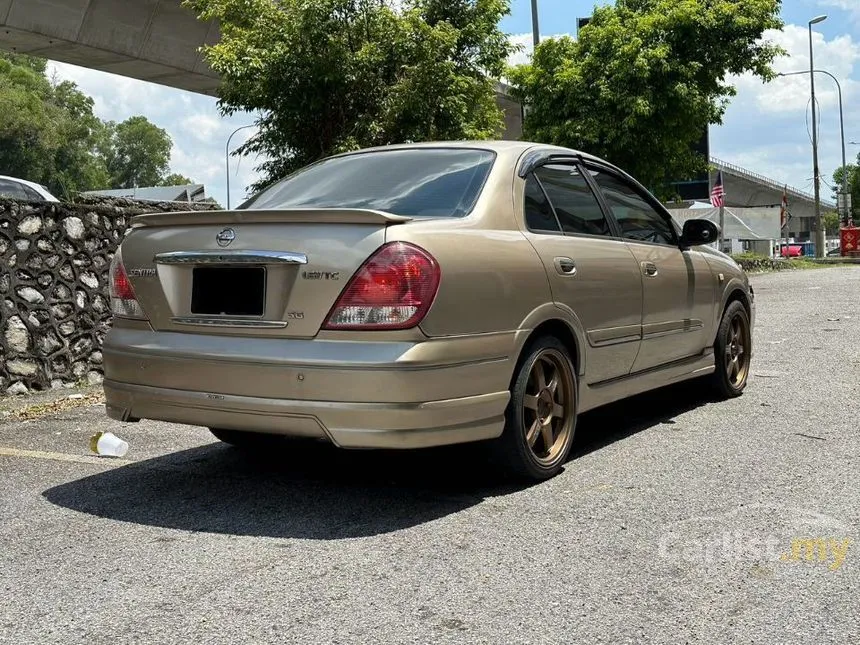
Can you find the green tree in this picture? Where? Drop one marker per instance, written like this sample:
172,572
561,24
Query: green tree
38,65
644,79
334,75
28,133
77,164
853,186
175,179
137,153
48,133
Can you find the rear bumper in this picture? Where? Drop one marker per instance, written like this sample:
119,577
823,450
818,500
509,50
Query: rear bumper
347,425
354,394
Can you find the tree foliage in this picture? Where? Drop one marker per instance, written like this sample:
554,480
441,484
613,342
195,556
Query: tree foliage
644,79
175,179
137,153
328,76
50,134
853,186
47,133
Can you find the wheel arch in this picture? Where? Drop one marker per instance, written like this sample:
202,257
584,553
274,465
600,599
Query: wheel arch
734,292
551,320
737,295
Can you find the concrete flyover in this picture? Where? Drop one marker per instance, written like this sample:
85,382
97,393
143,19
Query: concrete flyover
150,40
747,189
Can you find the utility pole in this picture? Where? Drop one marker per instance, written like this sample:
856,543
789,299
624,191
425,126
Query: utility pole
819,224
845,207
535,26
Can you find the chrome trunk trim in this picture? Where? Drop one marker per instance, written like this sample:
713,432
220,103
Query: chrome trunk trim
231,257
219,321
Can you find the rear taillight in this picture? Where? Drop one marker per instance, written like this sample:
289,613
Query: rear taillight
393,289
123,301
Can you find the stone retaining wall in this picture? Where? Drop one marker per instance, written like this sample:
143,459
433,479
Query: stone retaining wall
54,262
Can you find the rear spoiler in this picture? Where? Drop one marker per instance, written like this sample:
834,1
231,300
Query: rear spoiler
285,216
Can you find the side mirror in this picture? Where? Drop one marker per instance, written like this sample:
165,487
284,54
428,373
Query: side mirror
699,231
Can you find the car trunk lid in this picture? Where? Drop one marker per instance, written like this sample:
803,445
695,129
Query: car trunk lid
248,272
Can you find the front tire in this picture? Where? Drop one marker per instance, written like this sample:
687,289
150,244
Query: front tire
732,352
541,415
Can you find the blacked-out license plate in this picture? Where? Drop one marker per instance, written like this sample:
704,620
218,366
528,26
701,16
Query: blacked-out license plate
228,291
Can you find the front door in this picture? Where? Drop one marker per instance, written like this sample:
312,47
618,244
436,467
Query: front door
678,286
591,271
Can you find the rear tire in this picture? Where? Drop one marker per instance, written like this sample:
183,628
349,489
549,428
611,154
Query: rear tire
541,416
732,352
247,440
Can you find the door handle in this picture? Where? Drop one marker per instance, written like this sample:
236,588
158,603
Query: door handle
649,269
565,266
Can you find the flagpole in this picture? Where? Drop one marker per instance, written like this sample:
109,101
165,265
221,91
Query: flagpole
783,222
721,178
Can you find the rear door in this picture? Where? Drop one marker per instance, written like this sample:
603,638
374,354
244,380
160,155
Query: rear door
591,272
679,287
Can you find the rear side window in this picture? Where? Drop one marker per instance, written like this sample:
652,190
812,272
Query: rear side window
575,205
415,182
12,190
539,214
31,194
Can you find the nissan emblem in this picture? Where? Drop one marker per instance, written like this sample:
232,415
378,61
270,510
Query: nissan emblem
225,237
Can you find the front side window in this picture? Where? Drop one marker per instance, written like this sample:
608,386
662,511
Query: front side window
638,220
414,182
575,205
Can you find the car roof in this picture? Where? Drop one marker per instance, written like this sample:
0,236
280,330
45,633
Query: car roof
477,144
31,184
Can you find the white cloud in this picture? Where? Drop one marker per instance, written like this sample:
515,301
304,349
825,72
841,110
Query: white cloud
767,128
791,94
851,6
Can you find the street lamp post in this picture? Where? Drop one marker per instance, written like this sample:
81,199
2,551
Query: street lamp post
819,225
227,158
535,27
841,129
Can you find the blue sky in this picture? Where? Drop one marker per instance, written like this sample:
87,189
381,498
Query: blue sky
765,129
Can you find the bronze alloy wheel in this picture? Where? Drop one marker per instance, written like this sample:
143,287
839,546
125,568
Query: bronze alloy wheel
541,417
736,352
548,408
732,351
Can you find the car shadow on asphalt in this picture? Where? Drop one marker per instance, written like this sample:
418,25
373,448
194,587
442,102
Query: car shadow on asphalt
314,491
608,424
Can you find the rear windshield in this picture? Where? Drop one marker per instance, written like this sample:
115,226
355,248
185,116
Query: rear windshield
422,182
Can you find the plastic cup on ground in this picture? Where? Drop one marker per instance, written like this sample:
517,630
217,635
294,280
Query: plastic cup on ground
107,444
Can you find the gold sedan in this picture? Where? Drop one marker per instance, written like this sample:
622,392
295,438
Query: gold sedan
422,295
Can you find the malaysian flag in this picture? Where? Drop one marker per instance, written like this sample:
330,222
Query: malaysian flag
718,192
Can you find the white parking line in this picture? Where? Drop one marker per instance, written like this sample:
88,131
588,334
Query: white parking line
61,456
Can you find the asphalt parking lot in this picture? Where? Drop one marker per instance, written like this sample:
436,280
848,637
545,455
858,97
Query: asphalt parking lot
679,520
